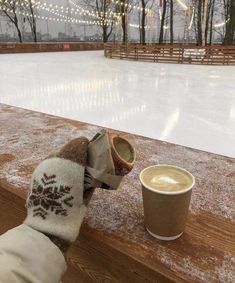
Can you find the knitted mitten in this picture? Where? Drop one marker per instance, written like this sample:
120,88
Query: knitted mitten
55,203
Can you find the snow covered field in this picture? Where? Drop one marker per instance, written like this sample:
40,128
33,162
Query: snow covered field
188,105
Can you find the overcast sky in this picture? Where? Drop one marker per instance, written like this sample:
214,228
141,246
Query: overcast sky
53,28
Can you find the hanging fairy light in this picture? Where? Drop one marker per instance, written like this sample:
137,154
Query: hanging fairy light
77,10
85,12
120,3
160,16
110,13
101,21
66,10
58,9
182,4
192,18
116,14
61,13
138,26
69,20
218,25
17,3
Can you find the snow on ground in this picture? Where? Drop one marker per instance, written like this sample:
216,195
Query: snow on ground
183,104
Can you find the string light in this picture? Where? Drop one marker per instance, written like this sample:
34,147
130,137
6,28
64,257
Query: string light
17,3
120,3
139,26
191,22
160,16
107,14
218,25
184,6
117,14
45,7
69,20
54,9
77,10
86,12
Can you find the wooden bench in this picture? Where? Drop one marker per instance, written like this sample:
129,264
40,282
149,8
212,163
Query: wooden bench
194,54
207,55
113,245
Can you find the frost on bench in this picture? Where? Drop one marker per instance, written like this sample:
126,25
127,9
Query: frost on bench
194,53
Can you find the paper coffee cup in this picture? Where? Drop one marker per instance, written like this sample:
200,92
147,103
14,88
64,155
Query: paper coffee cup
166,200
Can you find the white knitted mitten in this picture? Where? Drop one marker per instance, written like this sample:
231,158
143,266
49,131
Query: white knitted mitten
55,202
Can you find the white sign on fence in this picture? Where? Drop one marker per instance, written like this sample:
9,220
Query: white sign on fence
194,53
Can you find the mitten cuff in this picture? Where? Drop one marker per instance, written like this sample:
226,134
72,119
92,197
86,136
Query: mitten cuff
61,228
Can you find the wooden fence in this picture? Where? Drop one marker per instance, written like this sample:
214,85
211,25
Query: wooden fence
48,47
209,55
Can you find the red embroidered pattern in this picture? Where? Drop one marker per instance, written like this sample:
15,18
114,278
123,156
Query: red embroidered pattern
47,197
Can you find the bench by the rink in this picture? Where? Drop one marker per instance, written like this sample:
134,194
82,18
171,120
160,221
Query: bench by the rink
191,54
113,245
194,53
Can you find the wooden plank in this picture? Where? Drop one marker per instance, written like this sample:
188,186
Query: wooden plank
48,47
113,245
218,55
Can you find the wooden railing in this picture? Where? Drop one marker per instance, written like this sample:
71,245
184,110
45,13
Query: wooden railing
48,47
209,55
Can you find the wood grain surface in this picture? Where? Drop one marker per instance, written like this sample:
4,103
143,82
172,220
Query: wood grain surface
113,245
48,47
177,53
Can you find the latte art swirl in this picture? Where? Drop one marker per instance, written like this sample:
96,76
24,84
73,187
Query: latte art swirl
166,178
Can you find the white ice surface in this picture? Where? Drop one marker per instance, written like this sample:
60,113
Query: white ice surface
184,104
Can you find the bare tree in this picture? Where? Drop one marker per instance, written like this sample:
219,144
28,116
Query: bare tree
171,22
9,9
212,10
101,9
204,20
162,21
201,21
145,5
143,20
31,19
230,23
123,9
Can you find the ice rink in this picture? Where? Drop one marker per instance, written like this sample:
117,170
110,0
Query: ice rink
183,104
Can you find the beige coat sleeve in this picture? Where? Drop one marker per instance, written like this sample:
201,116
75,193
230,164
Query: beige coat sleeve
28,256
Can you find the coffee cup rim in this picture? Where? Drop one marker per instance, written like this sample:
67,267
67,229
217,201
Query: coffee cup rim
167,193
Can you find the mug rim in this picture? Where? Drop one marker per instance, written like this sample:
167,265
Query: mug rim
130,146
167,193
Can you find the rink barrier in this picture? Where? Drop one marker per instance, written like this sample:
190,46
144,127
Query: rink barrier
48,47
180,54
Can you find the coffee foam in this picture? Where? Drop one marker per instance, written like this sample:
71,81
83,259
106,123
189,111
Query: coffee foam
167,178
